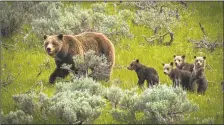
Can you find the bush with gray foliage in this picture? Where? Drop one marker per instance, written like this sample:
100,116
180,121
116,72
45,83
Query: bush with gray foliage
159,105
92,65
75,102
13,16
56,19
160,17
17,117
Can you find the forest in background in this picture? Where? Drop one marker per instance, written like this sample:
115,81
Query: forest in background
149,31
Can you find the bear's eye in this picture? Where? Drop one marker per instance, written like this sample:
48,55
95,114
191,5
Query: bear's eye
131,64
167,68
54,44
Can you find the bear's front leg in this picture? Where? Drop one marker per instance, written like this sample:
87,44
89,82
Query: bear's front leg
141,82
174,82
149,83
58,72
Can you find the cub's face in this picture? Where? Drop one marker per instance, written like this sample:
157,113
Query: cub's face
199,61
167,68
53,44
134,65
179,60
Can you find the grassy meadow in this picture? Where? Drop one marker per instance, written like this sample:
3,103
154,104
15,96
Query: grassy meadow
26,65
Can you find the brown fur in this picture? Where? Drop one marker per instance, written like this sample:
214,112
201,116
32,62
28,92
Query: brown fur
198,75
144,73
180,63
64,47
178,76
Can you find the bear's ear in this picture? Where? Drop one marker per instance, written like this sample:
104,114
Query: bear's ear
171,63
137,60
60,36
45,36
204,57
183,56
174,56
163,64
195,57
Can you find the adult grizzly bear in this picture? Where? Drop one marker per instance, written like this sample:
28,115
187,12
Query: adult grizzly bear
64,47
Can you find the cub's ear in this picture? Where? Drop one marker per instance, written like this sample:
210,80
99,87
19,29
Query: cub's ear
60,36
45,36
204,57
195,57
183,56
174,56
163,64
137,60
171,63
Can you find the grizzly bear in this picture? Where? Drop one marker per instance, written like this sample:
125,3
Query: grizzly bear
181,64
63,47
198,75
199,62
178,76
144,73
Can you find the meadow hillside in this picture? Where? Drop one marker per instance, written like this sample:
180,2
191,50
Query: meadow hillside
26,67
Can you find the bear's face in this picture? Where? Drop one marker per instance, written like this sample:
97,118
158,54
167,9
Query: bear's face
167,68
179,60
199,61
53,44
134,65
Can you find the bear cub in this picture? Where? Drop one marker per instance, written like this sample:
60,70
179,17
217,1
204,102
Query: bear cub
144,73
177,76
198,75
181,64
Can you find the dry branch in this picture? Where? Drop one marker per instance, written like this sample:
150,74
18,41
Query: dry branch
9,47
10,79
26,36
160,37
5,89
204,42
202,29
184,4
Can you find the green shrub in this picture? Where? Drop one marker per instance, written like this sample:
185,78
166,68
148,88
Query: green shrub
159,105
77,101
17,117
99,64
13,16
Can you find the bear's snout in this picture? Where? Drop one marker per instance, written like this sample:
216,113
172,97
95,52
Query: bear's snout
129,68
48,49
198,64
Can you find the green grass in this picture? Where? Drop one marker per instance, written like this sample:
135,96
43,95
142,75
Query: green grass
28,59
